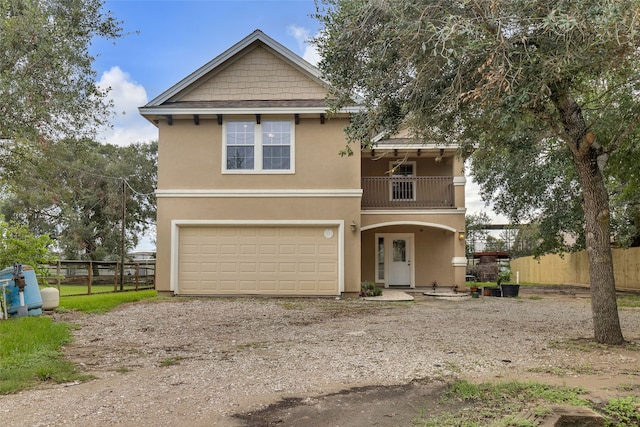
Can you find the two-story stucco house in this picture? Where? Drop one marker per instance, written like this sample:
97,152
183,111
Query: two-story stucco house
254,199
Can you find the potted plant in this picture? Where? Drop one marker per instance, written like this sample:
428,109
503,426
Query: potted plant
508,289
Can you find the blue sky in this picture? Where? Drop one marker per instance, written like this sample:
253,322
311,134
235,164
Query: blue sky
168,40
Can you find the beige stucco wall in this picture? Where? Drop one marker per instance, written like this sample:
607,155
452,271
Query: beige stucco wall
264,209
425,165
448,218
573,268
258,74
190,157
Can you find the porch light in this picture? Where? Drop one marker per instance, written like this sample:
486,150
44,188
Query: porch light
461,235
354,227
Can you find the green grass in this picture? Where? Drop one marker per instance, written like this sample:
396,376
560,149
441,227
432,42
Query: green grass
102,303
622,412
497,404
629,301
30,353
170,361
30,346
66,290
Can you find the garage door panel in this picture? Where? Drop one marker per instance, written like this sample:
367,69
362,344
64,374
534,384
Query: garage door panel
231,249
268,250
286,267
325,267
287,249
307,267
327,250
326,285
308,249
248,267
247,285
218,260
308,285
268,267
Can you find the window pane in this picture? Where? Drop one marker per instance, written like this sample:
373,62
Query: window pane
240,157
405,169
381,258
276,133
276,145
276,157
400,250
240,133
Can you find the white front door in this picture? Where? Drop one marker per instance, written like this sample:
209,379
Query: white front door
399,259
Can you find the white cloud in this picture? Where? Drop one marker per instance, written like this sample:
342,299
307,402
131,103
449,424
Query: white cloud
128,126
475,204
302,36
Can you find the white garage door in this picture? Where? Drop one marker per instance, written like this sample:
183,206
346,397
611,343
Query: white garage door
258,260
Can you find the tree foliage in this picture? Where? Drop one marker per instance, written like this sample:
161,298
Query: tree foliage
476,232
18,244
73,191
544,92
47,85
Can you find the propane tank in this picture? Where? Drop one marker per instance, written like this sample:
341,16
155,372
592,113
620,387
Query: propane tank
50,298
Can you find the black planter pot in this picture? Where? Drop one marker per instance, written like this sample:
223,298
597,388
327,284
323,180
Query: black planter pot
496,292
510,290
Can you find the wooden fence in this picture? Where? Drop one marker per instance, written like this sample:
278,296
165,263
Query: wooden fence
573,269
90,277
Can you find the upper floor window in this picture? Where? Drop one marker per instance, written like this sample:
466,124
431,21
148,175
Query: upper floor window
267,147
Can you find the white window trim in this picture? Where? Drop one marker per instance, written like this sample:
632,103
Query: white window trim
414,165
257,154
408,162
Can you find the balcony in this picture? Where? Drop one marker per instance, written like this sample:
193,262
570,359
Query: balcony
402,192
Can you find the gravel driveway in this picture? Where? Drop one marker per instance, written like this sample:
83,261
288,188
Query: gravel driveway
196,362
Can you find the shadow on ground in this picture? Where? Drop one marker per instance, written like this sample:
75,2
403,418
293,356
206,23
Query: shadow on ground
379,406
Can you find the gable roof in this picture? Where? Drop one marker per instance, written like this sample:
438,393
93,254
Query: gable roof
169,101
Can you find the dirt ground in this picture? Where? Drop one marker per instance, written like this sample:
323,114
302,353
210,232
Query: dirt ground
375,406
321,363
395,406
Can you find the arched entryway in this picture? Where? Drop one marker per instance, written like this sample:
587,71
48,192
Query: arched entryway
411,254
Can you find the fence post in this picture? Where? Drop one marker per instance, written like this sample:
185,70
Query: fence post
58,268
89,277
137,274
115,276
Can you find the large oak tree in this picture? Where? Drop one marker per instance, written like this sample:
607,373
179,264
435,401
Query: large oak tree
544,84
73,191
47,84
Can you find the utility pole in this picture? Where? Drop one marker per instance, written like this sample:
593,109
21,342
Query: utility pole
122,232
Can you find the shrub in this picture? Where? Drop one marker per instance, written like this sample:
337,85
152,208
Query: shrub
369,289
504,276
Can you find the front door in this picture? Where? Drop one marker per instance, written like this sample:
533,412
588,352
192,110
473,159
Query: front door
395,259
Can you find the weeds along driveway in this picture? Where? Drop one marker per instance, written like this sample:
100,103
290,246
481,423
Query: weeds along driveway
199,361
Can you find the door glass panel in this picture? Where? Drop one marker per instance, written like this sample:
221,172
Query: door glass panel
400,250
380,258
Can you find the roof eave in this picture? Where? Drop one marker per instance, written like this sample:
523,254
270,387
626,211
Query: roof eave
150,110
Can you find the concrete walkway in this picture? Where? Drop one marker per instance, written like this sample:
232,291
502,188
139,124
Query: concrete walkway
391,295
